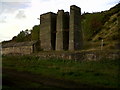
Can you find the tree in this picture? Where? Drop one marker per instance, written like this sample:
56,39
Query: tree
35,32
95,26
21,36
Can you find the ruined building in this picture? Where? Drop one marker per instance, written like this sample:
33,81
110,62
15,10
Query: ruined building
61,31
21,47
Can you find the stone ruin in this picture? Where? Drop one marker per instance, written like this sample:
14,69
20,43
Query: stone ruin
61,31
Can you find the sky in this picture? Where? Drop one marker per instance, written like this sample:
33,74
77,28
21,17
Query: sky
18,15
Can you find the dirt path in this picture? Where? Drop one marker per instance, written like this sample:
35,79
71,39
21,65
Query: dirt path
19,80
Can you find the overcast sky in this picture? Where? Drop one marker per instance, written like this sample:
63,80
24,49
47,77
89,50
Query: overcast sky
18,15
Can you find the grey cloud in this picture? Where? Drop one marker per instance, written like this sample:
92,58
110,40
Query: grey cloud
10,7
21,14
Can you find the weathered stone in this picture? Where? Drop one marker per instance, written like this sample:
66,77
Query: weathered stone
69,34
75,33
48,31
66,31
81,56
21,48
59,34
62,35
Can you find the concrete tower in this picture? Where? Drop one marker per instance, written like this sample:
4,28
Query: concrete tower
66,31
75,33
48,31
62,34
59,32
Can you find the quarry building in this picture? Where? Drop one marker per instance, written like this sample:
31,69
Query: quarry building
21,47
61,31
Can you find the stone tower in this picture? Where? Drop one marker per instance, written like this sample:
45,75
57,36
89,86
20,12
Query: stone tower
48,31
62,34
66,31
75,32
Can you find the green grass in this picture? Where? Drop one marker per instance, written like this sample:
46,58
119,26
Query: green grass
102,73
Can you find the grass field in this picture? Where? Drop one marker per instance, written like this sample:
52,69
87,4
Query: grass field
19,71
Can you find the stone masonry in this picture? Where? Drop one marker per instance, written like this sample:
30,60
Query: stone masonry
61,31
62,34
48,31
66,31
75,32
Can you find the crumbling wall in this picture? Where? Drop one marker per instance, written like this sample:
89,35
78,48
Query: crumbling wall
81,56
18,50
21,48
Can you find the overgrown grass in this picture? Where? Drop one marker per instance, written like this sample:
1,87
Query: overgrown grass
102,73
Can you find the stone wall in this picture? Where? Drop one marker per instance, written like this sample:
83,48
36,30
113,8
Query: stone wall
81,56
21,47
18,50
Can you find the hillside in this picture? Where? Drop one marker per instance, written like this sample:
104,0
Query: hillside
101,25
